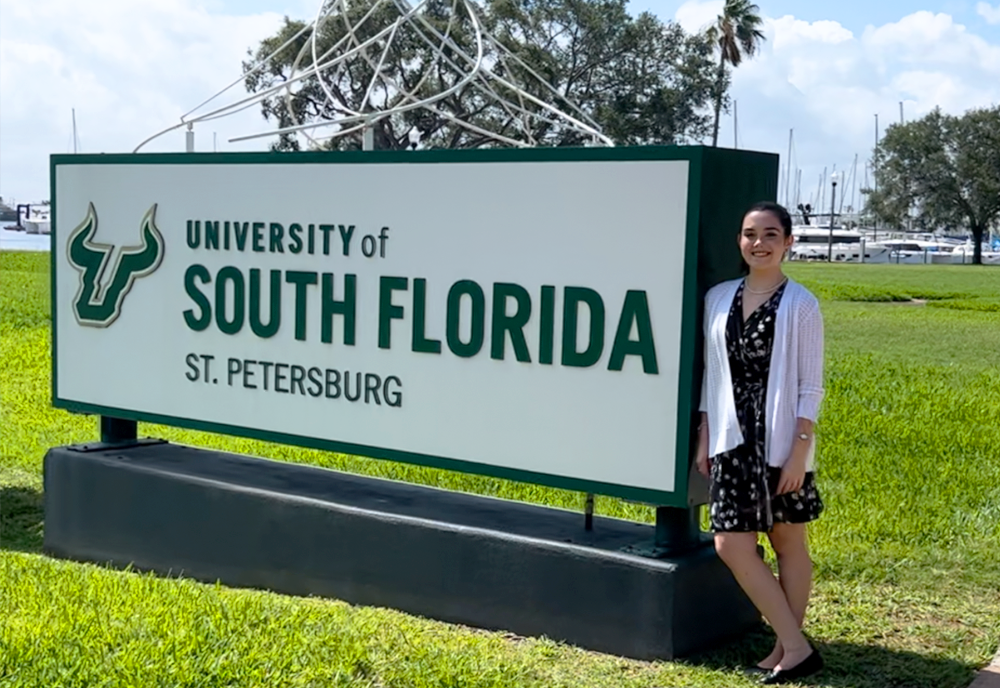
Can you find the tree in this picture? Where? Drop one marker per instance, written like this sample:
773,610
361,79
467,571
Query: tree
642,81
407,62
946,168
737,34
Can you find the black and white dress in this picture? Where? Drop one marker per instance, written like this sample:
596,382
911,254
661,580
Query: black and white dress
742,484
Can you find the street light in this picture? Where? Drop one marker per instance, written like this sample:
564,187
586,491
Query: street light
834,178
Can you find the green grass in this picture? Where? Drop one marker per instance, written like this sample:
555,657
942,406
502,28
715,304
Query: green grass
906,553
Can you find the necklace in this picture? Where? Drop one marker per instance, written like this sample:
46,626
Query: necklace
746,286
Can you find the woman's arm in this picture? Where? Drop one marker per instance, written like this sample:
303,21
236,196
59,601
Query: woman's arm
701,456
810,360
810,373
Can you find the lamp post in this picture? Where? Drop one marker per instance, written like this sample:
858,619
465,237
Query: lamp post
834,178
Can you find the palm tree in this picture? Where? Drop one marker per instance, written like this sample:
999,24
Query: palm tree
737,32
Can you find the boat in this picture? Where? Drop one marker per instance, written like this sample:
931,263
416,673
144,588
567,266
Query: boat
839,245
35,218
918,251
964,254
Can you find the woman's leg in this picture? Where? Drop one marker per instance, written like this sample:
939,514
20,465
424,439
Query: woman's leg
739,552
794,575
794,565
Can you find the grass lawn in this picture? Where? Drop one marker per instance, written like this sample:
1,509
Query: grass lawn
907,554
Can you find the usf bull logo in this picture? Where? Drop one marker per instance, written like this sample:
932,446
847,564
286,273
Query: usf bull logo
98,301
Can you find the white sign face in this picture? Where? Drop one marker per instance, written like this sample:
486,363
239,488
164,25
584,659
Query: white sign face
521,318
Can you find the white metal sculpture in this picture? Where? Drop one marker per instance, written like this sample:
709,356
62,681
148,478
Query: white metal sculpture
487,68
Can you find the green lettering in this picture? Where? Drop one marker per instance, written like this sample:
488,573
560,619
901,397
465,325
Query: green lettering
455,294
241,235
345,308
229,274
635,309
514,324
199,272
258,237
193,233
301,280
546,325
277,238
386,311
421,343
212,234
274,322
572,298
294,230
326,229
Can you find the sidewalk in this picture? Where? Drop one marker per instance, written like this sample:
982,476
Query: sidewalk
989,677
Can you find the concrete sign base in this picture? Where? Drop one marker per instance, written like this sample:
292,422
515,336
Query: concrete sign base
301,530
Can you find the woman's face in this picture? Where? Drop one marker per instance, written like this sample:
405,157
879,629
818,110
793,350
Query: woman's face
762,240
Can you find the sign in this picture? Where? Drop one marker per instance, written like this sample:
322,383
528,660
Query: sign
522,314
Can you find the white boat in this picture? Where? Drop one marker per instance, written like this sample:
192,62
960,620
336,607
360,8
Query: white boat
915,251
839,245
966,252
36,219
817,243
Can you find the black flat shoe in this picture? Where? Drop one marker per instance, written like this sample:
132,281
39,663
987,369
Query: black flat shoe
755,671
807,667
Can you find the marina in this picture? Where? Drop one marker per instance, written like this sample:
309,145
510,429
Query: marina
840,245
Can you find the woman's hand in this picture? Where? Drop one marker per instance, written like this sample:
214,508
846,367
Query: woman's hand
792,475
702,461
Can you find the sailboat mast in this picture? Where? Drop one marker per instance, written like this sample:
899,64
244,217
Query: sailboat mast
854,183
736,125
788,171
75,146
875,178
821,192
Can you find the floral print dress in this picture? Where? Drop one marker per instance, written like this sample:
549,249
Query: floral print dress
742,484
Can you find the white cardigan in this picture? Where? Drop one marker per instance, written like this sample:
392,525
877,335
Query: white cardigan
794,383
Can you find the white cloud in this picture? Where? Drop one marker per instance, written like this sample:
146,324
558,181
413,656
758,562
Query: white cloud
695,15
925,38
828,83
788,32
129,69
988,12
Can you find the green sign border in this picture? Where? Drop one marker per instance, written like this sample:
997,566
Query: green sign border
689,312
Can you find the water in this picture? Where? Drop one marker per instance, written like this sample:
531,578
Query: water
11,240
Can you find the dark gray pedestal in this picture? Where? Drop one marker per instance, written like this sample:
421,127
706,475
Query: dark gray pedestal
455,557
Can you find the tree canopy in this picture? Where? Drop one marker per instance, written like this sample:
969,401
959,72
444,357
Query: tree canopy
945,169
641,80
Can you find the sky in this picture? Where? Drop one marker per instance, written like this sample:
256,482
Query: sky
131,69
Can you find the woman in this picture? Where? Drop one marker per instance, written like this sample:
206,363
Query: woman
760,397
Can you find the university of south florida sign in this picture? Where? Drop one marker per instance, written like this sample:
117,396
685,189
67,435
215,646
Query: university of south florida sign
524,314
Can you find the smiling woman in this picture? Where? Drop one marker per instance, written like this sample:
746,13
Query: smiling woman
760,397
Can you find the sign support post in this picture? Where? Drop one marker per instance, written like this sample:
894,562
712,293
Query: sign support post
676,530
118,430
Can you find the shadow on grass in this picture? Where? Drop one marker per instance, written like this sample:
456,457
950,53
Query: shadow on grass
21,519
850,665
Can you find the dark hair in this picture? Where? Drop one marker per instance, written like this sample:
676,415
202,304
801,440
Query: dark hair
779,211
